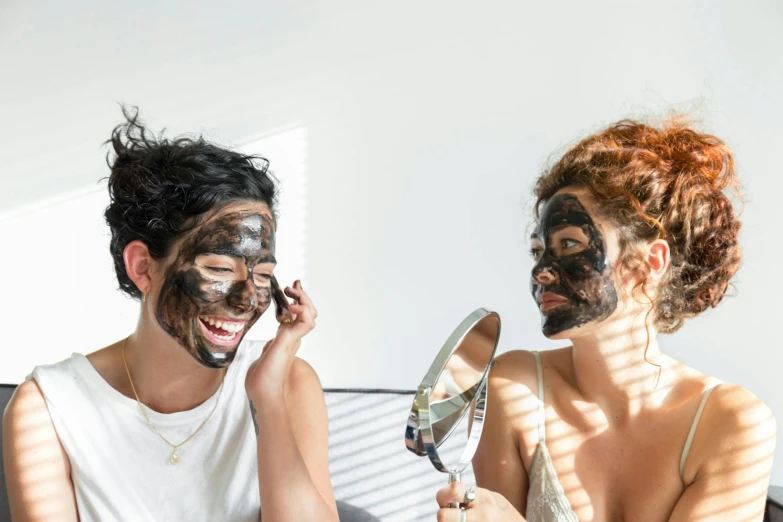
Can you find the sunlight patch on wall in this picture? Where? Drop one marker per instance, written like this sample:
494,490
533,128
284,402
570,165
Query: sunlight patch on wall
286,150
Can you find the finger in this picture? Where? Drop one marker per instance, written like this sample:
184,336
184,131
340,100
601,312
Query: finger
302,315
293,293
301,298
297,292
449,515
287,318
454,492
300,310
281,302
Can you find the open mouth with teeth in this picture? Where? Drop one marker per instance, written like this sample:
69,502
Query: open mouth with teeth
221,331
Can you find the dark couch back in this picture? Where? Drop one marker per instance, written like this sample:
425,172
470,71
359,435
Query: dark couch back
6,390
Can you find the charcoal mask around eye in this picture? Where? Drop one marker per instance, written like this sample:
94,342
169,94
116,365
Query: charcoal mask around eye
189,295
584,279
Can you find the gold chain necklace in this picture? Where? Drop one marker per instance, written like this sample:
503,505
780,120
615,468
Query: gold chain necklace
174,458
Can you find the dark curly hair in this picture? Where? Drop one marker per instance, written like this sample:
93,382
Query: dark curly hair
664,181
161,188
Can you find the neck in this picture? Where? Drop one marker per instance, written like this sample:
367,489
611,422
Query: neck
167,378
621,369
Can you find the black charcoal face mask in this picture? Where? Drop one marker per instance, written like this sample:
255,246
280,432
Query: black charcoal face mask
578,272
208,306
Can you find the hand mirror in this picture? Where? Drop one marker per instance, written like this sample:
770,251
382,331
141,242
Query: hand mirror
448,409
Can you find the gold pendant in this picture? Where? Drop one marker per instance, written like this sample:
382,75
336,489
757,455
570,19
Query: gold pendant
174,459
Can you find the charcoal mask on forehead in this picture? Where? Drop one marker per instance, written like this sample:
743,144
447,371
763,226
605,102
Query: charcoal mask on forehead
195,292
581,275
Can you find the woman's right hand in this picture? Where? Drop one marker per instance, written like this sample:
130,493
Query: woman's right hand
270,372
488,506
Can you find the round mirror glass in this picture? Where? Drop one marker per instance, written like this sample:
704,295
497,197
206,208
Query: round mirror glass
447,414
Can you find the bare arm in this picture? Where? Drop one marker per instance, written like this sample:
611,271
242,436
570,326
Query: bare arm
510,433
289,412
37,470
293,459
727,472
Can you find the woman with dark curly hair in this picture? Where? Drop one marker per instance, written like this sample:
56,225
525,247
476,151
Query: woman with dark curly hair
634,234
183,419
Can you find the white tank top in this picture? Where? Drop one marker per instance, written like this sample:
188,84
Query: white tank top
120,467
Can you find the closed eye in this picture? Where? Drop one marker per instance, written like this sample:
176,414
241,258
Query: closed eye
262,279
219,269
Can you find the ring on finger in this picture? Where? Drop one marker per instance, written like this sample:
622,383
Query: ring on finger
470,495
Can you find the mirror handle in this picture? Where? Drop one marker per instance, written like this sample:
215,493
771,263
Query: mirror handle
455,477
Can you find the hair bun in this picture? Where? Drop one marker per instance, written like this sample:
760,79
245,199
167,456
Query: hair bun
663,180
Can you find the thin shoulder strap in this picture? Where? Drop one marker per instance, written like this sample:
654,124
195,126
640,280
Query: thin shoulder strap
694,424
541,413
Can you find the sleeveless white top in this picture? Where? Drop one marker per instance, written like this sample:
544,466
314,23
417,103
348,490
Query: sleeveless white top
120,467
546,500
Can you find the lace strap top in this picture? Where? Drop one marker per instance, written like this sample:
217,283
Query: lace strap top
546,499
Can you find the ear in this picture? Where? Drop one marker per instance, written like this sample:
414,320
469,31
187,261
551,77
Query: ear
658,258
138,265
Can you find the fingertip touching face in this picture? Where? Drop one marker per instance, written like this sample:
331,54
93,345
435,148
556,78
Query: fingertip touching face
219,283
572,276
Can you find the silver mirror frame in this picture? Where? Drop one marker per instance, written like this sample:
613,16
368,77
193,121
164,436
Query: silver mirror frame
419,430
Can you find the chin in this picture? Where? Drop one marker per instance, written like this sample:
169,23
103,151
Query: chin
556,332
556,336
213,358
211,355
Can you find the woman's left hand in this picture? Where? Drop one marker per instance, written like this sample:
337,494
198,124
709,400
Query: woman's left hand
269,373
488,506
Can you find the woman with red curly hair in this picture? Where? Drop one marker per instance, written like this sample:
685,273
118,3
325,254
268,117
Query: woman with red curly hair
634,234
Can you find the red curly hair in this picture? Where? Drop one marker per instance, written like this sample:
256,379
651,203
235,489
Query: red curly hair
661,182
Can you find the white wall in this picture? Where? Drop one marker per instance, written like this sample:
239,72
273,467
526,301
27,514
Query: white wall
425,125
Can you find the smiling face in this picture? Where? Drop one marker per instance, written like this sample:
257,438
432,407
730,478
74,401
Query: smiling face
219,283
572,278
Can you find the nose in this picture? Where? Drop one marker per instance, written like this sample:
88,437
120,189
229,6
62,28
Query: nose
544,275
243,295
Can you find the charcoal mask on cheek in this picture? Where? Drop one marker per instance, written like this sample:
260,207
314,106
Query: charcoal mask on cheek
191,293
582,278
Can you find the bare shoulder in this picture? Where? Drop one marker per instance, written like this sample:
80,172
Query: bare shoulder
735,414
39,470
513,384
27,415
519,366
736,429
515,367
28,401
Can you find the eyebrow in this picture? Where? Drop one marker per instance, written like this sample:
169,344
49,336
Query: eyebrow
226,251
233,252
